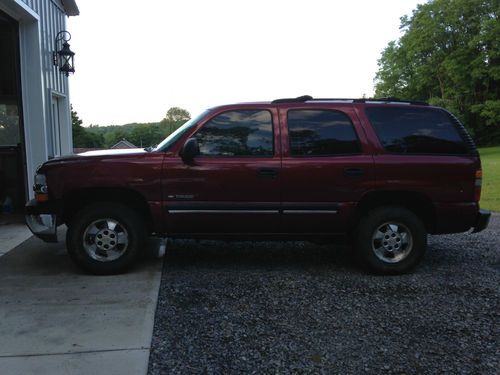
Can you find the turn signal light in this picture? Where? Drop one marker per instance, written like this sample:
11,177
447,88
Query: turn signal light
41,197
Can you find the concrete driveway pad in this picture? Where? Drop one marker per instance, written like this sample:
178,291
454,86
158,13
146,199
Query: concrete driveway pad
55,319
12,235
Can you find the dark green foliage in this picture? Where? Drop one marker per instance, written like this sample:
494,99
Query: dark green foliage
449,55
82,138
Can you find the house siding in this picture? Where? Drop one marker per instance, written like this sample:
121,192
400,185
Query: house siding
52,20
45,91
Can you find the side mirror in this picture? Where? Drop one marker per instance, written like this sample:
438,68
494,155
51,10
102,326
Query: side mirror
190,150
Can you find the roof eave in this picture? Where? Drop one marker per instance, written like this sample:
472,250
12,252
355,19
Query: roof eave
70,7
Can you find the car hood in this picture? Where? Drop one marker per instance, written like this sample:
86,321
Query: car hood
97,153
113,152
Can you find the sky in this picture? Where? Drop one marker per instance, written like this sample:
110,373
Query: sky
136,59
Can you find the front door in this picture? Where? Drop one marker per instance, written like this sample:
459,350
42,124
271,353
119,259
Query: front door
233,186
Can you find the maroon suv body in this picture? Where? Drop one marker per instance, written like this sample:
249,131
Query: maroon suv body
292,168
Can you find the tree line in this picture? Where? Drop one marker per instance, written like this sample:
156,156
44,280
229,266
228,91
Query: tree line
449,55
140,134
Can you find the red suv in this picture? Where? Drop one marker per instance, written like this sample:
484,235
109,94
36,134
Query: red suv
383,171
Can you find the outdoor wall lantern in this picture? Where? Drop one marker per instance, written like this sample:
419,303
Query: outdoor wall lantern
63,57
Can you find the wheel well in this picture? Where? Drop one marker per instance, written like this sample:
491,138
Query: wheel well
418,203
75,200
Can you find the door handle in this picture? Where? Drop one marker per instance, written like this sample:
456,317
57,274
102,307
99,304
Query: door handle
267,172
353,172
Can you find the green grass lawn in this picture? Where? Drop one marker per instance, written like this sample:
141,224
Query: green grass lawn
490,194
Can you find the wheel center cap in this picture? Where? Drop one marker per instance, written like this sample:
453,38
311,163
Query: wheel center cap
106,239
392,241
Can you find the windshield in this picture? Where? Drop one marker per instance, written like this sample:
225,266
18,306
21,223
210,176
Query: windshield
173,137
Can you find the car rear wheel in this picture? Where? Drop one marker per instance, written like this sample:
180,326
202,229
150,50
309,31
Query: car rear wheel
104,238
390,240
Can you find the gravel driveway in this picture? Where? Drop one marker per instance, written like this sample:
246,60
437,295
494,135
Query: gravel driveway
293,307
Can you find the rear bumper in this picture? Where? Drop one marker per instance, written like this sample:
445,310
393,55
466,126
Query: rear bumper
482,221
459,217
41,219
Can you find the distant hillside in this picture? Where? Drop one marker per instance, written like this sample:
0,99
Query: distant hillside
140,134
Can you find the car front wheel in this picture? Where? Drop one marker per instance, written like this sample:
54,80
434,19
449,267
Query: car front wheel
104,238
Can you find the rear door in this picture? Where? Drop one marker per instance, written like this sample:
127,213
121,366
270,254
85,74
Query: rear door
326,167
233,186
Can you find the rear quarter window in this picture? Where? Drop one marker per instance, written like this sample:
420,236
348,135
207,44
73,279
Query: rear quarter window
410,130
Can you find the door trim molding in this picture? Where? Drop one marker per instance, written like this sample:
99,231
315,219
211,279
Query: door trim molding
223,211
252,208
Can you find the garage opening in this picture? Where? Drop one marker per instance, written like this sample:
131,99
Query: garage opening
12,168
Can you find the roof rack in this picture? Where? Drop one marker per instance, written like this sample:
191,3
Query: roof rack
392,99
308,98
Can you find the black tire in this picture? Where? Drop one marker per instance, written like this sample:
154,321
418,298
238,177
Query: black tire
390,240
121,231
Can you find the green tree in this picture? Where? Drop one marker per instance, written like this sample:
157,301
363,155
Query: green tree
177,114
82,138
145,135
174,118
449,55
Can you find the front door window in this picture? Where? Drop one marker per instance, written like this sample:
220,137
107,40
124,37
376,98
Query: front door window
237,133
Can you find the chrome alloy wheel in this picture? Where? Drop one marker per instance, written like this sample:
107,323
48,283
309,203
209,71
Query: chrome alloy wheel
392,242
105,240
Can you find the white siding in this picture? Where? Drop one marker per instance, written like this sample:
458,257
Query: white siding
41,81
52,20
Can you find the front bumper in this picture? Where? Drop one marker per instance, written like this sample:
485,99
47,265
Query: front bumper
482,221
41,218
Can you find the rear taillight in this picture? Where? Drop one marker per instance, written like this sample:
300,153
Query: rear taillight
478,181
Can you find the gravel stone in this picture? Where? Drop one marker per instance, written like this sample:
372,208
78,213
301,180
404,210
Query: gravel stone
300,308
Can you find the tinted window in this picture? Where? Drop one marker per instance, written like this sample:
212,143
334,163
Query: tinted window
237,133
321,132
416,130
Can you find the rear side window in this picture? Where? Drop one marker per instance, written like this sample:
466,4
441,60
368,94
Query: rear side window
237,133
416,131
321,133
